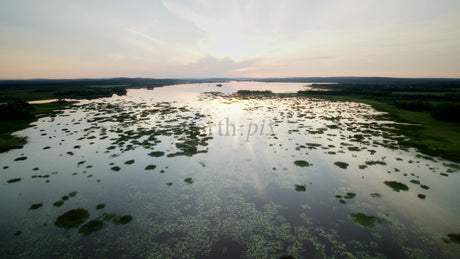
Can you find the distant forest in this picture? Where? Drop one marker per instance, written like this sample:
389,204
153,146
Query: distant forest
39,89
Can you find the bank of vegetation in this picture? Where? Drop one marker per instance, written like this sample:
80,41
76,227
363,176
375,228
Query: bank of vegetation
16,115
429,109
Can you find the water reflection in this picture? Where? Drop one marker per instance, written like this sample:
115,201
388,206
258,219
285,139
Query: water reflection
192,171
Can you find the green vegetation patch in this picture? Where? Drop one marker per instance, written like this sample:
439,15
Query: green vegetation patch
376,195
300,188
301,163
72,218
115,168
91,226
156,153
100,206
58,203
365,220
342,165
129,162
14,180
35,206
117,220
396,186
454,238
150,167
188,180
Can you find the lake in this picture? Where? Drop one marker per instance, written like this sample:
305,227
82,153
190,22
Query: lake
192,171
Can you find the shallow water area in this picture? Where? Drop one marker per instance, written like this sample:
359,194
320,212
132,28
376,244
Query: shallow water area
193,171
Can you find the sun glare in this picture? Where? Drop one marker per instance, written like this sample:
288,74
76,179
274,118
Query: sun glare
231,46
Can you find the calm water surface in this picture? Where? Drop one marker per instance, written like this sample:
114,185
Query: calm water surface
189,171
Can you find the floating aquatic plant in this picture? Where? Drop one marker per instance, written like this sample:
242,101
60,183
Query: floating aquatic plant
300,188
91,226
115,168
342,165
129,162
397,186
301,163
72,218
365,220
14,180
35,206
150,167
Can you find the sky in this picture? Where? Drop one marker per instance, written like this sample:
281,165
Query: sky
251,38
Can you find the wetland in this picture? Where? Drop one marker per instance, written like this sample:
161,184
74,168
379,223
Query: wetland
235,169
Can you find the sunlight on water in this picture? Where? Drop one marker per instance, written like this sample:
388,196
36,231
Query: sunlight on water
194,171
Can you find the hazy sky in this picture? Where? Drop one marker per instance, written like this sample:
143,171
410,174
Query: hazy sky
173,38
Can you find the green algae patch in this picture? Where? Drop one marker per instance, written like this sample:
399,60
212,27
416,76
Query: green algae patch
396,186
14,180
117,220
129,162
72,218
421,196
156,153
90,227
72,194
100,206
300,188
188,180
365,220
150,167
342,165
301,163
35,206
17,233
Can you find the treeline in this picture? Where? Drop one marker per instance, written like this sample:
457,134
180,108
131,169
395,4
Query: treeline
441,101
40,89
15,110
